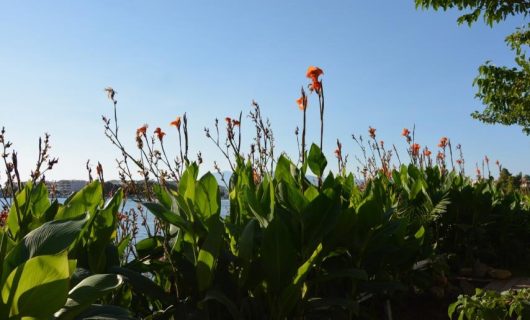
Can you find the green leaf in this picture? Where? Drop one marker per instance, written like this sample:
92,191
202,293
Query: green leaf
208,253
50,238
207,196
106,312
38,287
278,255
420,233
103,231
285,171
87,292
316,160
85,200
188,182
32,203
167,216
220,297
150,247
163,196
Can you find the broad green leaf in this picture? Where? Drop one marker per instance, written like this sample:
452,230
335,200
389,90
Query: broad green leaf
87,292
38,287
285,170
188,182
208,253
106,312
207,196
150,247
32,203
50,238
85,200
167,216
220,297
278,255
102,232
163,196
316,160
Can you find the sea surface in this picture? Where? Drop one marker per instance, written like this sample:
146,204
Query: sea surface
132,205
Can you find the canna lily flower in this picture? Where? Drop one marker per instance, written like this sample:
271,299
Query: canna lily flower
459,161
313,73
371,131
142,130
440,156
302,103
175,123
228,120
405,132
160,134
443,142
236,123
427,152
338,153
415,149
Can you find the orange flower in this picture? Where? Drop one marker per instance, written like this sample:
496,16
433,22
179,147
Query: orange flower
141,131
302,103
313,73
175,123
415,149
427,152
160,133
236,123
443,142
440,156
405,132
228,120
371,131
338,153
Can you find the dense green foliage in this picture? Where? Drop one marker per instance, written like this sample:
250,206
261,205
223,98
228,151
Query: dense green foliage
503,90
491,305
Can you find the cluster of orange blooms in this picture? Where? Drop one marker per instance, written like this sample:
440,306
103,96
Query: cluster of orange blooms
232,122
316,85
142,131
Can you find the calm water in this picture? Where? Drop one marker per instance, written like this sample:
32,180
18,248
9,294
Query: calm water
130,204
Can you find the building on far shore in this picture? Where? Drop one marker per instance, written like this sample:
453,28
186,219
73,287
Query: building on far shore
67,187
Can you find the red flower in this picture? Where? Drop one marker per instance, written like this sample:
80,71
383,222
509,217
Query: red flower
415,149
141,131
160,134
236,123
313,73
405,132
175,123
228,120
371,131
443,142
338,153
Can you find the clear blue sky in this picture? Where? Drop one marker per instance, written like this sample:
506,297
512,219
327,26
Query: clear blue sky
386,65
